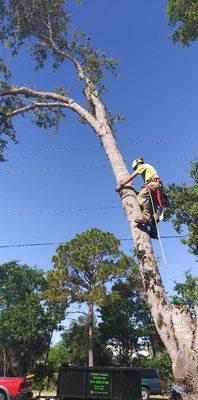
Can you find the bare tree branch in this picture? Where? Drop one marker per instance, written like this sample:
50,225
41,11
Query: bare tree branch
23,90
33,106
49,27
76,312
64,100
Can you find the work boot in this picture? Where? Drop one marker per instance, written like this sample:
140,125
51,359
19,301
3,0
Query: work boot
153,231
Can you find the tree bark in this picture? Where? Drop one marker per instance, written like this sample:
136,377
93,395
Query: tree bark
90,335
175,326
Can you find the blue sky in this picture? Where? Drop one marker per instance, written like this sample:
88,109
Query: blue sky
157,91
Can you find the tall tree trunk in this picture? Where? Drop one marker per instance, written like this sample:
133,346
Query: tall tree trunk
152,343
177,330
90,335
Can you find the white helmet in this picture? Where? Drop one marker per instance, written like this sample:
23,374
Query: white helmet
137,161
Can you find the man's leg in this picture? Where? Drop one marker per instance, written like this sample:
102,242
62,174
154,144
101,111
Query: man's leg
143,199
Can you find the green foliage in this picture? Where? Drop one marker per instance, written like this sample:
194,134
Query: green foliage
28,21
194,172
46,118
75,340
183,211
187,293
183,14
45,376
7,104
34,23
85,264
58,354
127,324
44,28
27,319
4,70
46,371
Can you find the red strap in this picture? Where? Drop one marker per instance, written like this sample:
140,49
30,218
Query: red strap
159,198
156,195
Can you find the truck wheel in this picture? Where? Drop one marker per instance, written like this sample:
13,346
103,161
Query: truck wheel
3,396
145,393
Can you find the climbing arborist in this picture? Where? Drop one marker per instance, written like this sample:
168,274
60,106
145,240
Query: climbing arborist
150,197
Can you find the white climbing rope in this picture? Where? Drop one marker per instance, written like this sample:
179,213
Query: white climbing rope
155,216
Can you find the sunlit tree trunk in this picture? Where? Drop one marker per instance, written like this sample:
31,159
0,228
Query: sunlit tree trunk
90,335
177,330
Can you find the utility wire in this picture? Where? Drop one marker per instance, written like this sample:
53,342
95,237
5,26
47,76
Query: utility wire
3,246
95,147
37,170
55,211
80,167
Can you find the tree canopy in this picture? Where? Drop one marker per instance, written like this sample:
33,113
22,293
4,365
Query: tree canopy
183,15
186,293
27,319
87,263
183,211
83,267
45,29
127,324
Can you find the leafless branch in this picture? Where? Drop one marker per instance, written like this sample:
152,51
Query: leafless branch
49,27
23,90
33,106
77,312
63,100
45,23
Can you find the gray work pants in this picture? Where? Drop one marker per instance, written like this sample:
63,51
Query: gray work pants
145,202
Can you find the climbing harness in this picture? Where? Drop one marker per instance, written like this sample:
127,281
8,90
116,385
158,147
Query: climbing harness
157,193
159,196
156,218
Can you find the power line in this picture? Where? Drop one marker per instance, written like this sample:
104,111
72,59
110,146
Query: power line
59,243
54,150
55,211
79,167
37,170
95,147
